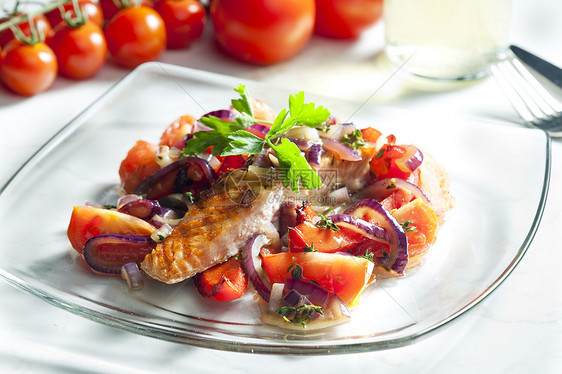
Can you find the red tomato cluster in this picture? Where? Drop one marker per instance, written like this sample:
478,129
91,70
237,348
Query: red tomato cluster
255,31
77,46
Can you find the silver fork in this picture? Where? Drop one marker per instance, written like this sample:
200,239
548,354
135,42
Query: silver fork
529,98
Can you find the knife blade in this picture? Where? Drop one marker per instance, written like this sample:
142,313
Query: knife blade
545,68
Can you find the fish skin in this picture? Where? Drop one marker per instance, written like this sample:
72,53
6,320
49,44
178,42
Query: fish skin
211,232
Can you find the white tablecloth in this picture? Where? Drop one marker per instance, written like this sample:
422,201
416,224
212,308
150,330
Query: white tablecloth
517,330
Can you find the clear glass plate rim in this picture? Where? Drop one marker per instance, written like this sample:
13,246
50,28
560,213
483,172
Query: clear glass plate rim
124,322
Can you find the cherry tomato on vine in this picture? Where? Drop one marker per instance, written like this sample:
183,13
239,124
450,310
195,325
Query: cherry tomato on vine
39,21
90,9
345,19
262,32
110,7
28,69
135,35
184,20
81,51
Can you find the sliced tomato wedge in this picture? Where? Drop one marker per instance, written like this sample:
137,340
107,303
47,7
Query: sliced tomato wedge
87,222
223,282
308,236
343,275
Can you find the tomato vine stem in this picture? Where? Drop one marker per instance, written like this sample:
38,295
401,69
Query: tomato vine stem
28,15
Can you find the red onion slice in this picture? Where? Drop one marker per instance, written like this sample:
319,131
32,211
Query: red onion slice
253,268
107,253
224,114
314,156
342,151
367,229
411,160
372,210
313,292
208,173
383,188
141,208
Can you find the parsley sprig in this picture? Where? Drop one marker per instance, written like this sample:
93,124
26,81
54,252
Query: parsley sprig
229,138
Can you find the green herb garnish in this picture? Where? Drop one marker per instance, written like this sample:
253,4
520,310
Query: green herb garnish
354,139
299,314
369,256
229,138
309,248
407,226
295,270
326,223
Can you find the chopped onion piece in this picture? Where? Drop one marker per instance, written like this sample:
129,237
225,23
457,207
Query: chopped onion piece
161,234
127,199
340,150
341,195
383,188
276,297
304,133
131,273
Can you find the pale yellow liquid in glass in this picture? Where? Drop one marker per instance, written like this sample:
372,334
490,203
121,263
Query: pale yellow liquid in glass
446,39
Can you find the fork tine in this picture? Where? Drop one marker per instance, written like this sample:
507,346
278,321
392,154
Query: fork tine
548,105
503,78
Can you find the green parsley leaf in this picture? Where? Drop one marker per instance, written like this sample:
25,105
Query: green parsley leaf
306,113
281,124
294,167
241,142
244,104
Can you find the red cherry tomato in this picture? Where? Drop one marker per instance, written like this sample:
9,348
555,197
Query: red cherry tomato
28,69
91,10
345,19
41,23
80,51
262,32
110,7
184,20
135,35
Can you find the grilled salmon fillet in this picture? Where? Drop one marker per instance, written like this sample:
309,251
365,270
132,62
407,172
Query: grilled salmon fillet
211,232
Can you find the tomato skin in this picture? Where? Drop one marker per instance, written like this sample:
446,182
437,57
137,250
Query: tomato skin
110,9
370,134
81,51
87,222
177,130
345,19
91,10
223,282
307,234
28,69
426,224
135,35
41,24
139,163
184,20
262,32
384,166
344,275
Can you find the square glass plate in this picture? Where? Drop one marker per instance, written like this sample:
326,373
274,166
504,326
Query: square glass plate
499,179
